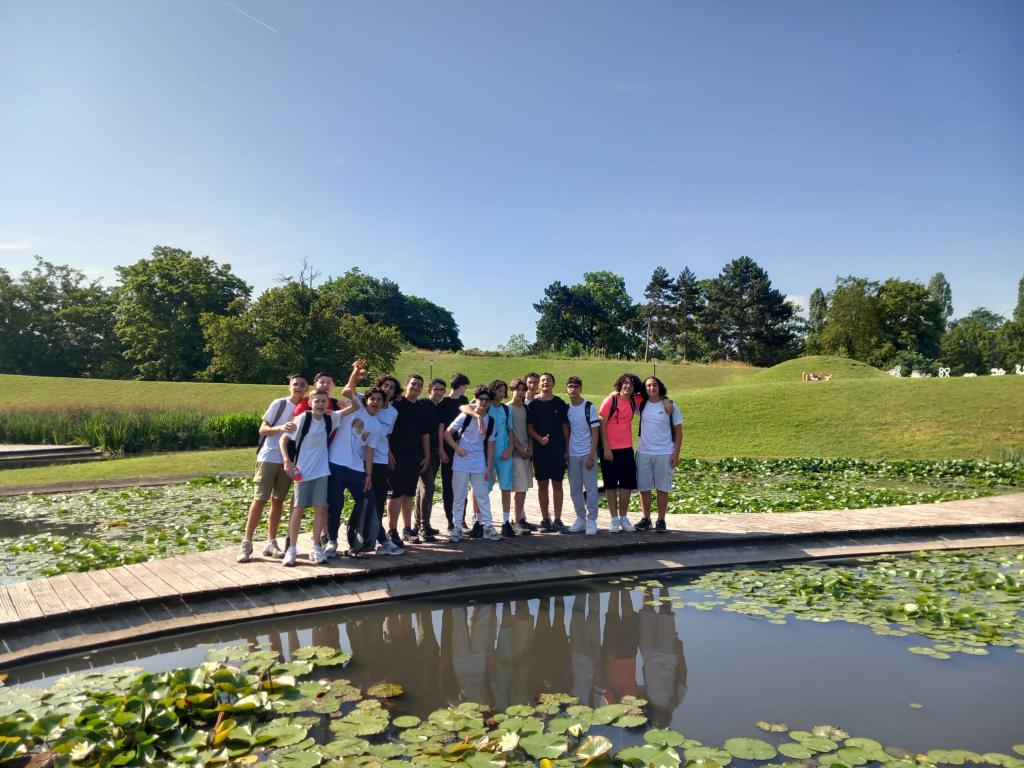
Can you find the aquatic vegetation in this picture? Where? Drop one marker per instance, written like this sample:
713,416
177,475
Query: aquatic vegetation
964,601
245,705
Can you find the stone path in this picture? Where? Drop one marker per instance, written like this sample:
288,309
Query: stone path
65,612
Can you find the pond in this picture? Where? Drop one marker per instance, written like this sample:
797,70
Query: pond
709,663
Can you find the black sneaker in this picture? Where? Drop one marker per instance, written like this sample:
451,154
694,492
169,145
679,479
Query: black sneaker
451,527
659,527
477,531
643,524
558,526
545,525
410,536
507,531
431,530
396,539
526,525
428,534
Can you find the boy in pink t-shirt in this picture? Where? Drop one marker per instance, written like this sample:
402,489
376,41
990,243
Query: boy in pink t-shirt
618,464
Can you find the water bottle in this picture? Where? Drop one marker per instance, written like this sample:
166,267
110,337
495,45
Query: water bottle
296,475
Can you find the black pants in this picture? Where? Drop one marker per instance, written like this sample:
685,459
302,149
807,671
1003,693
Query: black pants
342,479
425,492
447,492
379,489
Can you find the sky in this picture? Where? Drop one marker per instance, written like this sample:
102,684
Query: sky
475,152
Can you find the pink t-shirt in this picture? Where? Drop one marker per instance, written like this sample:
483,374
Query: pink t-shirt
620,425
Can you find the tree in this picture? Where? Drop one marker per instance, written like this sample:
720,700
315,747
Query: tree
379,300
853,323
817,309
429,326
1018,311
516,346
1009,344
752,321
942,295
614,312
911,322
159,307
969,344
688,304
556,326
656,313
293,327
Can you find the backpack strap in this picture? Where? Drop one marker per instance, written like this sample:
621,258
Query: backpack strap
302,435
504,408
640,427
465,426
277,415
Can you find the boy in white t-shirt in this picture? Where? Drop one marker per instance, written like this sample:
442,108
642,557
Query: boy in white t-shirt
271,481
312,430
472,463
657,449
584,427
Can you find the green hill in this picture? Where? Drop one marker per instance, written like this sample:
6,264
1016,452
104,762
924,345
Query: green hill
841,368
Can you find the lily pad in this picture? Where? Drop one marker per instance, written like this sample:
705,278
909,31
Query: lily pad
750,749
385,690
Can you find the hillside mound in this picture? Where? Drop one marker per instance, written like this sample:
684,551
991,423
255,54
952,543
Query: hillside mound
841,368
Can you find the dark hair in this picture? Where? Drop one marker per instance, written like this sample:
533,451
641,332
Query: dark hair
574,380
483,390
531,373
459,380
661,387
412,376
548,373
374,391
323,375
630,377
516,384
435,382
296,376
397,386
493,386
318,392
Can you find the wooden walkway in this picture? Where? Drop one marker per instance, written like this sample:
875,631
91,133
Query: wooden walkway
59,607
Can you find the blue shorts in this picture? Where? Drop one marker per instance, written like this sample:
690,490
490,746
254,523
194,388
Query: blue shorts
503,472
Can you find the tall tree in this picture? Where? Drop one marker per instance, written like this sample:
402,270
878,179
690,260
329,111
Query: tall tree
429,326
853,326
557,325
656,312
942,295
753,321
1018,311
911,321
614,312
688,302
159,307
970,344
817,308
377,299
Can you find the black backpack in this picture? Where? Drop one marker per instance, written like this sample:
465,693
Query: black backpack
294,446
465,425
277,415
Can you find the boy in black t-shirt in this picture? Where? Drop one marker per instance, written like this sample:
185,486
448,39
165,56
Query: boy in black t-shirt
410,444
428,477
447,410
547,422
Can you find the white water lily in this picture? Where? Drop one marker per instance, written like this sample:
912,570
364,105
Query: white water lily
509,741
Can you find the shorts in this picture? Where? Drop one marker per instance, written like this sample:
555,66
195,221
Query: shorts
653,471
502,472
311,493
405,475
522,475
270,480
549,465
620,472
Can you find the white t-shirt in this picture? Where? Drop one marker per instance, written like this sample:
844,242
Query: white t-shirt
312,461
385,418
271,450
579,428
475,459
354,435
656,428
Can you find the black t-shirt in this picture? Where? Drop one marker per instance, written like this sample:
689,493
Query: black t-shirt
547,418
430,416
448,409
410,426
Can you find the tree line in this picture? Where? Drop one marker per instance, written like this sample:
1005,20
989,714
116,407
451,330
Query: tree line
738,315
179,317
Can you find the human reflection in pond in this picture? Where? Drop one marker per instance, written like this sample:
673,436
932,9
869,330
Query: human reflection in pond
366,638
428,655
469,642
585,647
326,633
618,652
664,662
515,638
550,661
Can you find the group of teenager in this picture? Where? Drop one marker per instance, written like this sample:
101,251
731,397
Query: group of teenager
384,446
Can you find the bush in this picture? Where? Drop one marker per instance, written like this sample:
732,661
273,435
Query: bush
130,431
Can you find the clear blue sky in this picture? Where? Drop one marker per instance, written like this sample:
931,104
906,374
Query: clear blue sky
476,151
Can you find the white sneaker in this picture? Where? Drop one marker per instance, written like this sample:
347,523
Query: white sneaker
613,526
579,526
317,555
455,536
491,535
290,556
625,525
388,548
331,550
591,527
273,550
244,552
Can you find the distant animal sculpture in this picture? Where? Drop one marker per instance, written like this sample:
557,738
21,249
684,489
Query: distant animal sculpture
1018,369
896,371
998,372
805,376
943,373
970,375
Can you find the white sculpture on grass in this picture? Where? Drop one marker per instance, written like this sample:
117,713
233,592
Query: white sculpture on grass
896,371
943,373
1018,369
970,375
998,372
920,375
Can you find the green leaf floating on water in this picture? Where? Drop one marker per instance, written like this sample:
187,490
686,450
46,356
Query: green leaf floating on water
750,749
538,745
649,755
385,690
764,725
795,749
664,737
406,721
714,754
592,748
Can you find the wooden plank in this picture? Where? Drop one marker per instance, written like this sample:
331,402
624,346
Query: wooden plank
92,591
117,592
25,604
132,583
65,587
48,600
225,571
8,615
188,581
159,577
211,572
157,587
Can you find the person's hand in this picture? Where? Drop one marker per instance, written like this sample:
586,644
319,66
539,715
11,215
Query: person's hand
507,453
424,464
590,462
481,424
367,484
487,476
545,440
391,460
675,459
461,451
442,454
607,454
529,453
288,467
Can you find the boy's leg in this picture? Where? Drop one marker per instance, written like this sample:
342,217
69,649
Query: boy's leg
319,524
482,499
253,520
542,498
274,521
447,491
335,501
520,505
576,484
590,488
662,504
425,495
380,496
556,496
645,504
460,489
294,524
